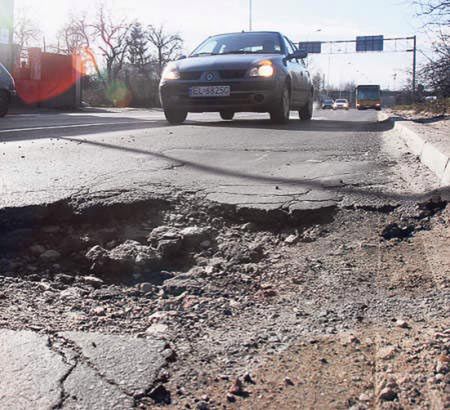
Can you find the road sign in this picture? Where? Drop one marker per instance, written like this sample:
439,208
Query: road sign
311,47
6,21
369,43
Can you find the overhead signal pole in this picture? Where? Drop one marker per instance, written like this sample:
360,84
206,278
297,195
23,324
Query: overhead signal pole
366,44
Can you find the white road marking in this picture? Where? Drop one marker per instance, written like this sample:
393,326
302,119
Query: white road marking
56,127
262,157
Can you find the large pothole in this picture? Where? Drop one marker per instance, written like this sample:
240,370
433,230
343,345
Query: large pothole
146,242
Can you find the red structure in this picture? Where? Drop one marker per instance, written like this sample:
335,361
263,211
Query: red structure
49,80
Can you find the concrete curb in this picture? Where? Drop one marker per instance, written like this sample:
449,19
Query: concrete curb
429,154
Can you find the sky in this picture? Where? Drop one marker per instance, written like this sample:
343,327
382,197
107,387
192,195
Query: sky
300,20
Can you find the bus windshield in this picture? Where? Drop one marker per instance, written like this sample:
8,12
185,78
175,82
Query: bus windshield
368,93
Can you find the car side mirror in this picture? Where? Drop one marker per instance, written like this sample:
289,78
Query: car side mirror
297,55
182,57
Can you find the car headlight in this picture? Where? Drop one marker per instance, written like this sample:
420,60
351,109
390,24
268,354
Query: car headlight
264,69
170,73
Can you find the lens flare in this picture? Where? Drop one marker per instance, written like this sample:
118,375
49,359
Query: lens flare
119,94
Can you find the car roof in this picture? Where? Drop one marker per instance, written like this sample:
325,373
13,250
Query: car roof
247,32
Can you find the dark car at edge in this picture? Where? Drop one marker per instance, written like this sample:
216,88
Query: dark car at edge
239,72
327,104
7,90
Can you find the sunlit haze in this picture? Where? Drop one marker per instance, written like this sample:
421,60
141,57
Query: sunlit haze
299,20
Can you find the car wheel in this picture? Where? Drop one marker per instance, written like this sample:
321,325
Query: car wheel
174,116
306,112
227,115
4,103
280,114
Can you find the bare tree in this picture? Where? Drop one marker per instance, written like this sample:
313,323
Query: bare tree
436,12
167,46
26,31
76,37
435,73
111,41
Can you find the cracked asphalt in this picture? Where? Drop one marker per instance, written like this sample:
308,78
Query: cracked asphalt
77,370
247,162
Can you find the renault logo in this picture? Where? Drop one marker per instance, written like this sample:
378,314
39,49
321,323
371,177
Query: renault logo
210,76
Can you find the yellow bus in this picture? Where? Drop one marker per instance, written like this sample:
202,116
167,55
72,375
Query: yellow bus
368,96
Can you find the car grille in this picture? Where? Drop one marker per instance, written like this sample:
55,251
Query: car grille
232,74
224,75
243,98
190,75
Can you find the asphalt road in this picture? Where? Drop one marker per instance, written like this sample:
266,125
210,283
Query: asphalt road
336,156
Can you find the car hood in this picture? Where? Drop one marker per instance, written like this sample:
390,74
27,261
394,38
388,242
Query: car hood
221,62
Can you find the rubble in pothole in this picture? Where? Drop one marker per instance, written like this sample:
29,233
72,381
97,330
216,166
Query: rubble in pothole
161,258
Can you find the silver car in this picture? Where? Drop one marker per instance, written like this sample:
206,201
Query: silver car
341,104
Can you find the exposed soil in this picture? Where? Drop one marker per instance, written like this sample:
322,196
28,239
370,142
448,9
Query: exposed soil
348,310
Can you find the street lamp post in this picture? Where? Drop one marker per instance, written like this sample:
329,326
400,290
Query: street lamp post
250,15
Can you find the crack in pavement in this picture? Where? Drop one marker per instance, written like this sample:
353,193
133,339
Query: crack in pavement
133,374
51,370
80,358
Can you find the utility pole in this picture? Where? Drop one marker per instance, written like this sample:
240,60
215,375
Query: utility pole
414,68
414,71
250,15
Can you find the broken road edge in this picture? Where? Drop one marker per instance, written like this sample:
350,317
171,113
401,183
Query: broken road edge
429,154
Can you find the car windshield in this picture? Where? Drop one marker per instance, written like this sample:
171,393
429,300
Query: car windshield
241,43
4,74
341,101
328,101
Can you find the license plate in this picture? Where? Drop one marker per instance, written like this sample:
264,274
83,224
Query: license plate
210,91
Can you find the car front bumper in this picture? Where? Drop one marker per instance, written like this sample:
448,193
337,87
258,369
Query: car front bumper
249,95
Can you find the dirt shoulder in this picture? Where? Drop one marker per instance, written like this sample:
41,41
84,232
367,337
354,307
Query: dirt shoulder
396,362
